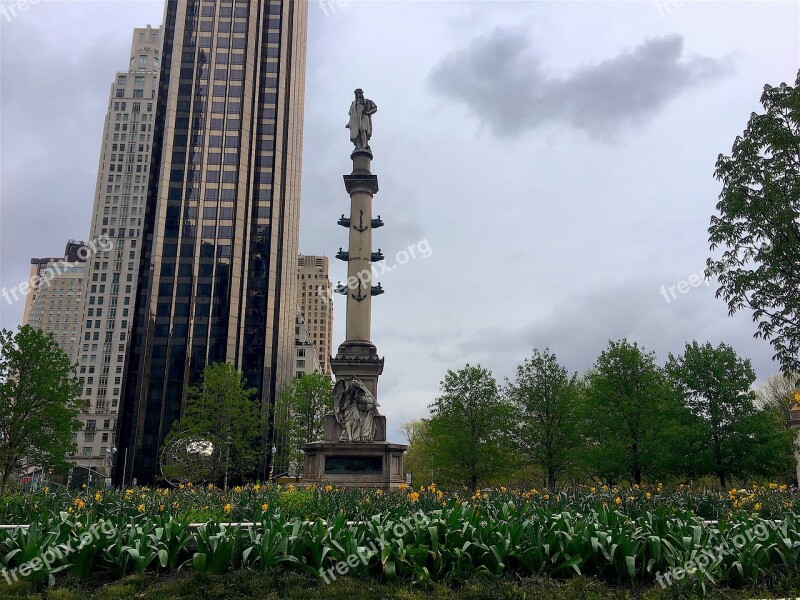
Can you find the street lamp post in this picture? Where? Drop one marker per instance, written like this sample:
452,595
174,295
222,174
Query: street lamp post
272,468
110,452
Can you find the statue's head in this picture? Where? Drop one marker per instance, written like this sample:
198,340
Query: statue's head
359,93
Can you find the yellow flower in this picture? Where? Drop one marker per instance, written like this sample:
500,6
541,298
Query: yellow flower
379,492
79,504
160,508
98,496
256,487
211,486
366,501
593,489
546,496
402,486
140,508
631,498
83,485
503,489
648,495
264,506
439,494
413,496
781,488
773,486
46,489
237,490
757,506
618,501
328,488
228,508
189,484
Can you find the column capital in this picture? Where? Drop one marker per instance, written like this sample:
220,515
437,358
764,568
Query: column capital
361,182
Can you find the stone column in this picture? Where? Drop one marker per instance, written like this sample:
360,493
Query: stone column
357,355
362,186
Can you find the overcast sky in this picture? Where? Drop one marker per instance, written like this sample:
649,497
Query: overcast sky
556,158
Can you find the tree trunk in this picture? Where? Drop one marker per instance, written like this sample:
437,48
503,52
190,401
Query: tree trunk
551,479
722,479
637,474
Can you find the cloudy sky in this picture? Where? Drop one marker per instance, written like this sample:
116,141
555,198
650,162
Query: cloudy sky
556,158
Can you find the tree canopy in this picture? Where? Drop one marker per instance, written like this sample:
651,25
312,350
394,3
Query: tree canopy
546,398
758,223
304,404
223,410
39,400
469,429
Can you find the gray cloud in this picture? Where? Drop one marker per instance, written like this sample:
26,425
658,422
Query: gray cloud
579,329
504,84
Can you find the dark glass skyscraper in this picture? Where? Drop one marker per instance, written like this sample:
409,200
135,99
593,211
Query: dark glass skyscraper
217,275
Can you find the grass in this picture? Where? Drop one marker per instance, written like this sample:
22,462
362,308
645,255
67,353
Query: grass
282,585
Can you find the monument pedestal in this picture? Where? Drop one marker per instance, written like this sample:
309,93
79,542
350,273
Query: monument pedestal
376,464
346,464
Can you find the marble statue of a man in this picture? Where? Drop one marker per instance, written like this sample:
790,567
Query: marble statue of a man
360,125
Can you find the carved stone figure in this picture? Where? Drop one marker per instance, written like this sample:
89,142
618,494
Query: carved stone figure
360,125
355,409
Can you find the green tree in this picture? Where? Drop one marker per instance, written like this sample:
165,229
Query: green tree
224,409
469,428
39,400
782,393
546,398
715,384
779,395
304,402
759,223
628,399
419,458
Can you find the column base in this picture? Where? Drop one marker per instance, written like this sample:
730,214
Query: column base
364,465
358,359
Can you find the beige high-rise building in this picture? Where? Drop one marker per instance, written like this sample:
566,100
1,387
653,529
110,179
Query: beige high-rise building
53,303
116,233
306,359
315,291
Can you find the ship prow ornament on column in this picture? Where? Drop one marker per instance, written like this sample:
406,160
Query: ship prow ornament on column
355,452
